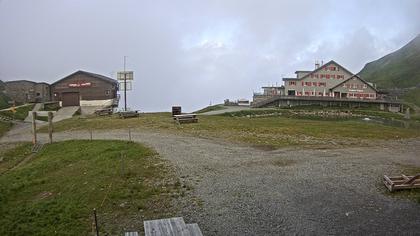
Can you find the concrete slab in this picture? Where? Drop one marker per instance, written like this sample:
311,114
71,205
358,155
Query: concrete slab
65,113
37,107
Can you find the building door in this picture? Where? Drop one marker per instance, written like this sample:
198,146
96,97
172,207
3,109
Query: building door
291,93
70,99
337,94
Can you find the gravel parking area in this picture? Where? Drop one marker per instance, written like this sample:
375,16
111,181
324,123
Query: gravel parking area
239,190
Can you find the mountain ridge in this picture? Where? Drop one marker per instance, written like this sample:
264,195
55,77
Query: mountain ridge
399,69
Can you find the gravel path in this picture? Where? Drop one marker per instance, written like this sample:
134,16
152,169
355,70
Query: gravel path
246,191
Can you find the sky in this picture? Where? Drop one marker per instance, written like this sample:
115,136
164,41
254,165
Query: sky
196,53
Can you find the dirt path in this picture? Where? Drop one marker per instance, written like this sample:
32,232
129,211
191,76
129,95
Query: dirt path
227,109
245,191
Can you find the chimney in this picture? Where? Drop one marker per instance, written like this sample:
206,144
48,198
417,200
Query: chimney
316,65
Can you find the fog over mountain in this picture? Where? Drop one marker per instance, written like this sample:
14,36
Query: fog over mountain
191,53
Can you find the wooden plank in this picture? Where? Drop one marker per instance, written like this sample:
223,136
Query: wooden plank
166,227
131,234
413,179
194,230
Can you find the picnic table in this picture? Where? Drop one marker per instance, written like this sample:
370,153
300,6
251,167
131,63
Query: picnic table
185,118
128,114
104,112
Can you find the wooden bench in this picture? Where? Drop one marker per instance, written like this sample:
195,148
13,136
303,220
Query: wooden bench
128,114
402,182
185,118
104,112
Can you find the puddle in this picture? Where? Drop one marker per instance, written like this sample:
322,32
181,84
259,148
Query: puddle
391,122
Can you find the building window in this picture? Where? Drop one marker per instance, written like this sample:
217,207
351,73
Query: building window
314,84
292,82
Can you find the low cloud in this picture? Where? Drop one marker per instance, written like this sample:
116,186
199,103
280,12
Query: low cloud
193,53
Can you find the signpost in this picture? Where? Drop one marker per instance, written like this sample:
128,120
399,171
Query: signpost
124,76
13,109
126,85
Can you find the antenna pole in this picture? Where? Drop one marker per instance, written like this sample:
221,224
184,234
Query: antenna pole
125,87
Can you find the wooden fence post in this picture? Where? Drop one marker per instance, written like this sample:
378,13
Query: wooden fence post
122,163
34,140
129,134
96,222
50,126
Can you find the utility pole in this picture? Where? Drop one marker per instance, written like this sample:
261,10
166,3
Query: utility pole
125,86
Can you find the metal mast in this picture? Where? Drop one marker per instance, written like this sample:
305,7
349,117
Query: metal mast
125,86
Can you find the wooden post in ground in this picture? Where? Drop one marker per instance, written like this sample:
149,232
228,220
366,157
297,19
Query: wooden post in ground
34,140
122,163
407,113
50,126
91,136
129,134
96,222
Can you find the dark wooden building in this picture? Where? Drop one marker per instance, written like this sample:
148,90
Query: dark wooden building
85,88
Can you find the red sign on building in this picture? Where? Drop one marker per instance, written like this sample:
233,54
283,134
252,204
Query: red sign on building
80,84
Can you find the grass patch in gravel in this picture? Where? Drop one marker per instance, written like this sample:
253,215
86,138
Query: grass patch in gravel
265,132
55,192
4,127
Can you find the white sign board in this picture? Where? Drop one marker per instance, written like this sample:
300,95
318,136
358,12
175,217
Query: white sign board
125,75
129,86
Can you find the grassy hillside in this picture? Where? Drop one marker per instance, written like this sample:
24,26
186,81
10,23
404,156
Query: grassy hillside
3,101
400,69
1,85
413,96
21,112
3,97
211,108
54,193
